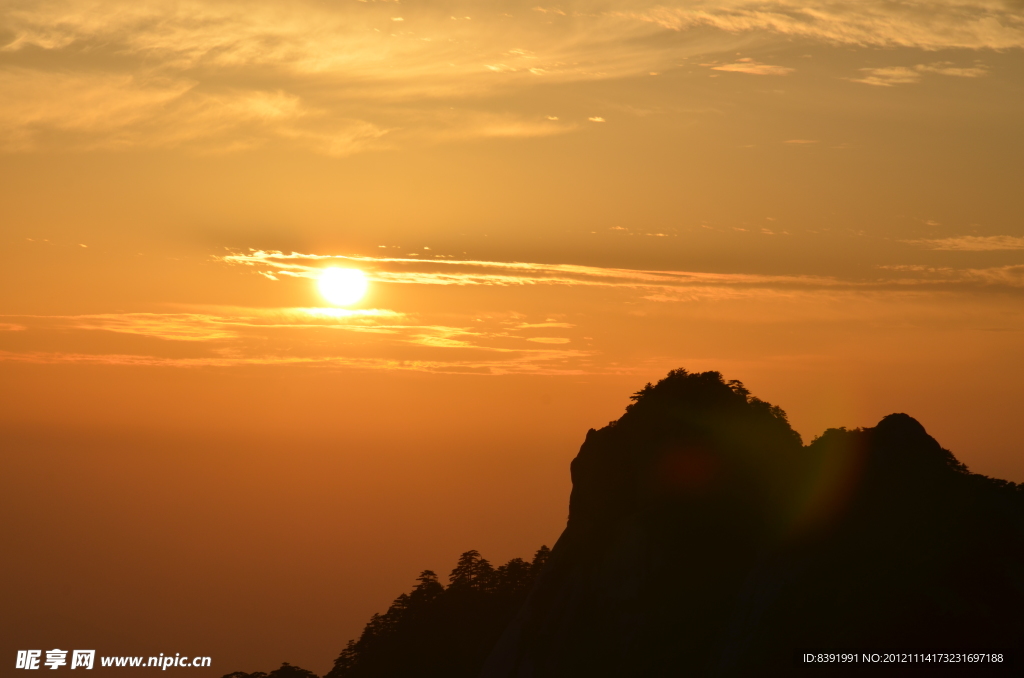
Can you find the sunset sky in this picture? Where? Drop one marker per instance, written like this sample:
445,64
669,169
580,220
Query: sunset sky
552,205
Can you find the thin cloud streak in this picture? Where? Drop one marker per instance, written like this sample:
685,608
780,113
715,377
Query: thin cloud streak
504,273
533,365
903,75
431,272
1011,276
974,243
752,67
245,336
208,327
941,24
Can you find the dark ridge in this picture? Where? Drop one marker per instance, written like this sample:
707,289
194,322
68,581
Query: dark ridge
442,632
435,631
704,539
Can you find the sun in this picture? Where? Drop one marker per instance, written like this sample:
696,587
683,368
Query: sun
342,286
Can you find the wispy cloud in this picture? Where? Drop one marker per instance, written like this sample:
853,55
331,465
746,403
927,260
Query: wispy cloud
234,75
471,272
550,340
1011,276
128,111
550,362
228,336
949,68
557,337
974,243
525,326
903,75
752,67
338,78
941,24
203,327
664,285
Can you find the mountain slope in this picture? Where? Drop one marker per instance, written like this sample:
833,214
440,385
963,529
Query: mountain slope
704,539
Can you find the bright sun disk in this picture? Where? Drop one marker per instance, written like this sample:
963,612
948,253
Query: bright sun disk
342,286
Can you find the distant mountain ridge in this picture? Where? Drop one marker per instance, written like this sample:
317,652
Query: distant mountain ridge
704,539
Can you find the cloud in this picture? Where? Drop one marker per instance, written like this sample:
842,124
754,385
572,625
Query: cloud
948,68
974,243
940,24
89,111
654,285
887,77
339,78
478,124
232,336
548,364
753,68
525,326
1011,276
176,326
328,79
495,340
903,75
471,272
82,103
1003,276
228,323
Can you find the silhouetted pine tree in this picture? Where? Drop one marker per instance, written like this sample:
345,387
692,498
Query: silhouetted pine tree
442,632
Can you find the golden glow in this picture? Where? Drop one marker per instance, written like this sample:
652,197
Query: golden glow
816,198
342,286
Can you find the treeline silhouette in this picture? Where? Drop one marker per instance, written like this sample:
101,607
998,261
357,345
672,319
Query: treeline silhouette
705,539
435,631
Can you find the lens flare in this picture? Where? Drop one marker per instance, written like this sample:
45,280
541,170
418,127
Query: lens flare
342,286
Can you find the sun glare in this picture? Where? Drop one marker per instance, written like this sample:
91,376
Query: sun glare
343,286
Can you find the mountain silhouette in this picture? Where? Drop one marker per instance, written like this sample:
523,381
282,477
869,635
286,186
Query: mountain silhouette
704,539
435,631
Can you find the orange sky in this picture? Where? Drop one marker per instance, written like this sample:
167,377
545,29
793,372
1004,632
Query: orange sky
554,204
